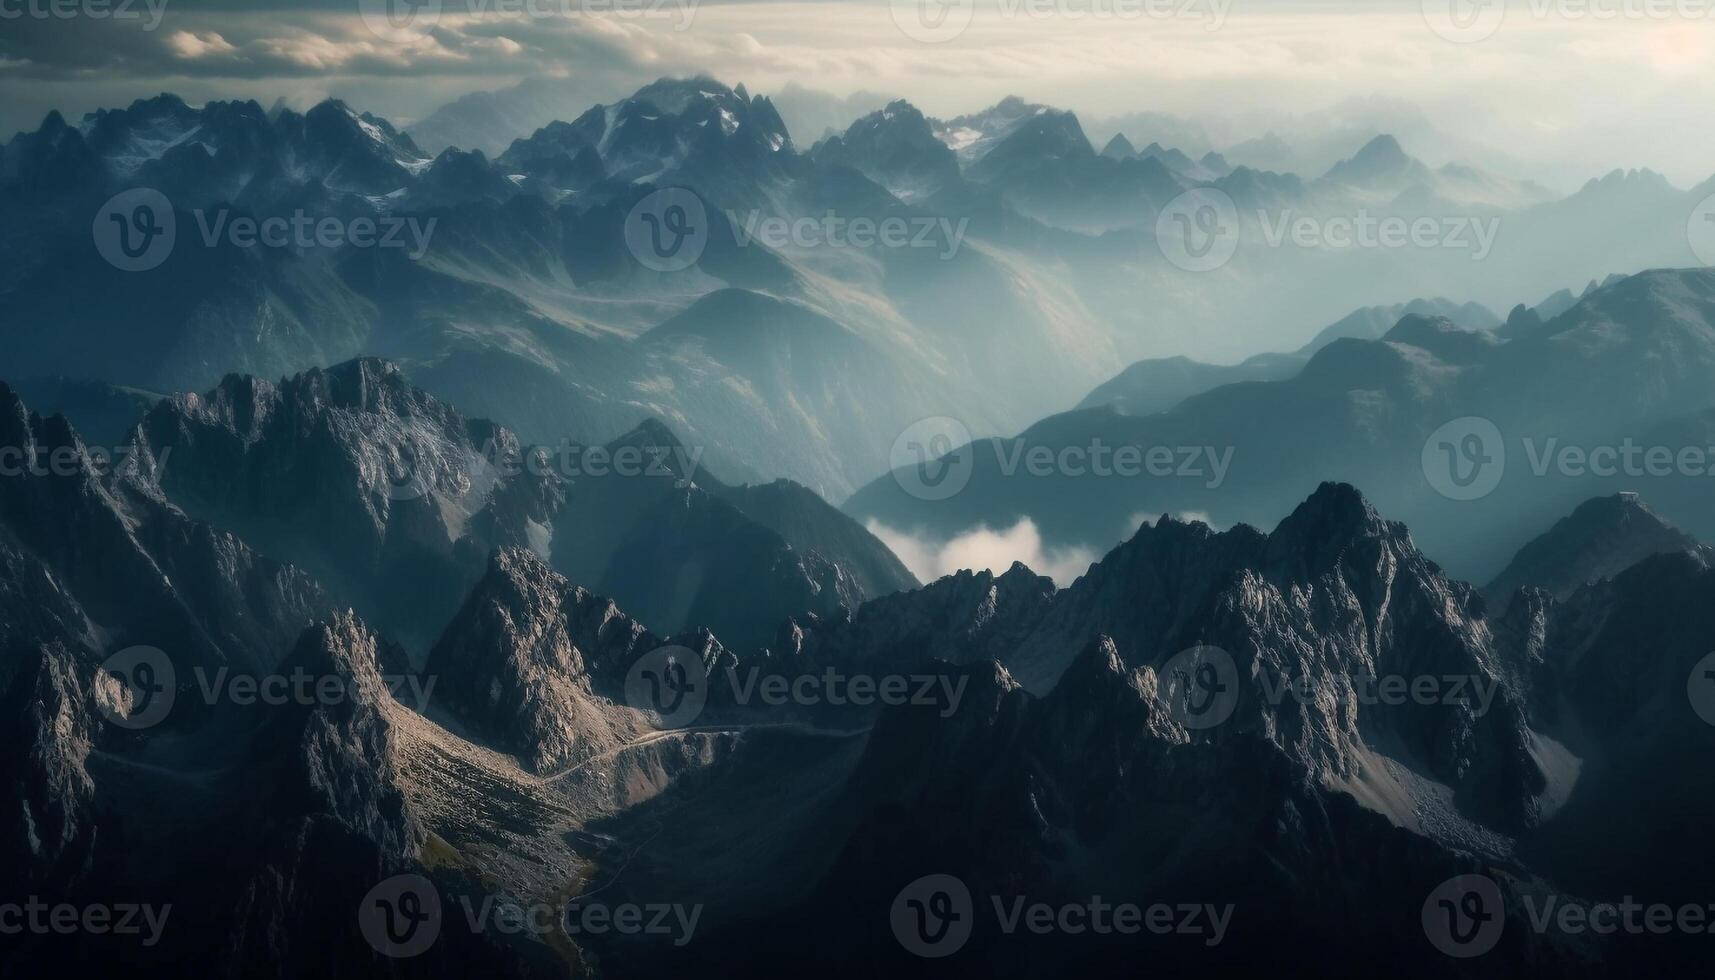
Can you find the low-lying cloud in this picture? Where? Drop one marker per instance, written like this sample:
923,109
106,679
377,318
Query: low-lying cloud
986,549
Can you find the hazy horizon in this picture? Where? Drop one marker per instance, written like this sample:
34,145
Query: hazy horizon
1226,69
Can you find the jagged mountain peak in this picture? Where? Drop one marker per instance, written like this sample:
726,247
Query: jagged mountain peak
651,432
676,95
1335,514
1449,341
53,122
1381,163
903,109
896,147
1665,309
1621,180
972,136
117,553
690,130
522,660
1383,149
1119,148
382,490
1600,538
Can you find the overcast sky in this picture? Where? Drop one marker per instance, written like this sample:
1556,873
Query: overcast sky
1565,88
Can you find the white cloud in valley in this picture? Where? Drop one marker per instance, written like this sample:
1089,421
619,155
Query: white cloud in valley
985,549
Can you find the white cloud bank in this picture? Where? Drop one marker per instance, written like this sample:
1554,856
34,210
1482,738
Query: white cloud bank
987,549
995,551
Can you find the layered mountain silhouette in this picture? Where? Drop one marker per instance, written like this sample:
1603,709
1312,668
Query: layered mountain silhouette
1621,374
1154,386
1035,270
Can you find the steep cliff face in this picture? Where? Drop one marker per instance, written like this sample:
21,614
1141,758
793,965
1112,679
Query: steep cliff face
682,549
1628,683
1098,790
99,558
390,496
1322,628
964,617
396,500
522,661
328,813
49,831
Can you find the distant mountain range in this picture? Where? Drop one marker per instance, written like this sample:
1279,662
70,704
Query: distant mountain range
1629,365
1043,277
1154,386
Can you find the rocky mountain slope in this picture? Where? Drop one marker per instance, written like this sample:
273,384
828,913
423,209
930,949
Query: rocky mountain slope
395,500
1233,739
1600,539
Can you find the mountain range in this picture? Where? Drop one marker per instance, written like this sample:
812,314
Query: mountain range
1061,754
1622,373
492,574
1046,276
